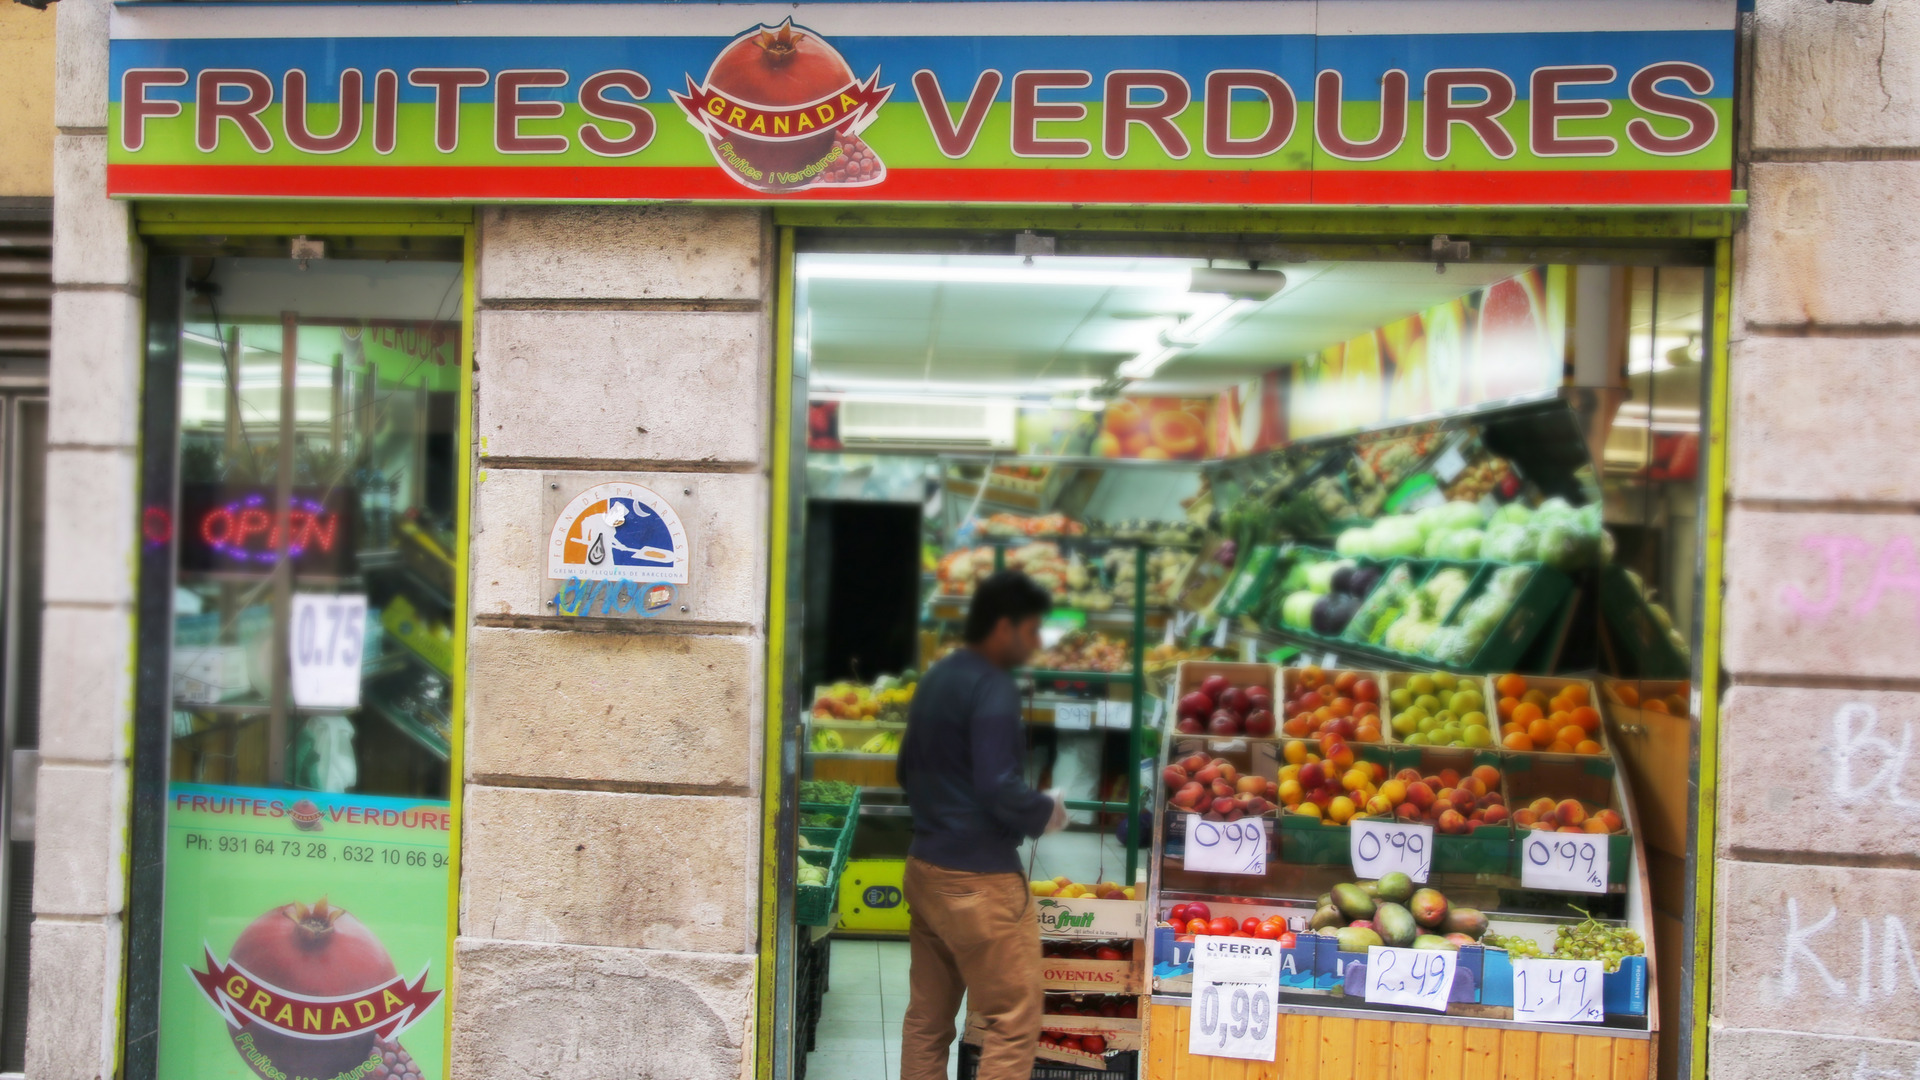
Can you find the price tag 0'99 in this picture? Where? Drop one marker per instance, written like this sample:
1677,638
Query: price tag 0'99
1418,978
1557,991
1564,862
1227,847
1379,848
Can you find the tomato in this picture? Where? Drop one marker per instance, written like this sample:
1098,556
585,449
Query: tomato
1198,910
1093,1044
1250,923
1108,952
1240,933
1198,927
1223,926
1178,916
1268,931
1288,940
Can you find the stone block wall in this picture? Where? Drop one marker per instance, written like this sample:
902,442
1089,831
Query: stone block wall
1816,972
86,706
610,854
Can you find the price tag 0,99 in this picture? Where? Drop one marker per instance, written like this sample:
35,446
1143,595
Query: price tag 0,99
1557,991
1379,848
1418,978
1564,862
1073,716
1227,847
1234,980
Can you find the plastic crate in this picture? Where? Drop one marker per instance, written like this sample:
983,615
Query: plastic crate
1536,607
1635,632
1121,1065
813,904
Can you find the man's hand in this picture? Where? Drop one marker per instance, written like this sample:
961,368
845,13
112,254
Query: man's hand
1059,819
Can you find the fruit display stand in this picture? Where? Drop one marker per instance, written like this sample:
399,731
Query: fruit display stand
1324,1025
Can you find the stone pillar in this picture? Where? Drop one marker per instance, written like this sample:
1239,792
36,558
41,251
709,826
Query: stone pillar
610,852
86,702
1818,895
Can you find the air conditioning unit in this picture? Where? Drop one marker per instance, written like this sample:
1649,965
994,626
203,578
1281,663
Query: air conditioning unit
924,423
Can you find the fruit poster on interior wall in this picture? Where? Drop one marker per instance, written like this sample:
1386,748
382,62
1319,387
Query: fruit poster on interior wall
1392,102
306,936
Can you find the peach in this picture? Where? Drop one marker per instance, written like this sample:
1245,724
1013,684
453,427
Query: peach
1570,812
1395,789
1312,775
1449,778
1452,821
1221,789
1570,828
1251,785
1493,798
1524,817
1475,785
1408,776
1207,774
1272,791
1420,794
1193,763
1593,825
1542,805
1463,799
1548,820
1407,812
1487,775
1611,818
1227,771
1540,826
1381,806
1494,815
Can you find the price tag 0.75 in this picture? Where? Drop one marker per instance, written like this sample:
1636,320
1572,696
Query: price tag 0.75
1557,991
1379,848
1564,862
323,649
1227,847
1418,978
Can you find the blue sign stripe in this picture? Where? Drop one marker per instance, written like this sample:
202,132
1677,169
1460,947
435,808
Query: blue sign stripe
956,61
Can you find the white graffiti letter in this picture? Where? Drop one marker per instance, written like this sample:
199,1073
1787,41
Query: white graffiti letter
1854,725
1894,949
1796,948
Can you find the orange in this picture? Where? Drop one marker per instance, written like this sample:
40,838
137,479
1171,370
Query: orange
1506,707
1559,748
1510,685
1559,718
1577,693
1537,697
1627,694
1526,713
1655,705
1586,746
1540,732
1517,741
1587,717
1572,735
1510,728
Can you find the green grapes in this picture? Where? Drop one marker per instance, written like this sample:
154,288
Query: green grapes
1594,940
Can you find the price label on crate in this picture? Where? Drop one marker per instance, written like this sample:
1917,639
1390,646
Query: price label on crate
324,649
1379,848
1564,862
1449,464
1227,847
1416,978
1234,981
1073,716
1557,991
1116,714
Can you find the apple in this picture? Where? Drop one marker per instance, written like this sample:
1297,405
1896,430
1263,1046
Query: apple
1235,700
1260,723
1189,725
1223,722
1213,686
1195,704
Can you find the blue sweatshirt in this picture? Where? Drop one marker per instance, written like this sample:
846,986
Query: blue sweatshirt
960,764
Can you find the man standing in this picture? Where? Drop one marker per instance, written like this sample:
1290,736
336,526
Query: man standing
975,930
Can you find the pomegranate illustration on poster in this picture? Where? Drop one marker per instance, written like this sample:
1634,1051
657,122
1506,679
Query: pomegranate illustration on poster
306,936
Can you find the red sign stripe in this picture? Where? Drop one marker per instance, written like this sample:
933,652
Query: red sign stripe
948,186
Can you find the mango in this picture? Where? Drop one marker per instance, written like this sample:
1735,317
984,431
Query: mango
1356,939
1429,907
1396,887
1353,901
1325,916
1395,924
1432,943
1466,921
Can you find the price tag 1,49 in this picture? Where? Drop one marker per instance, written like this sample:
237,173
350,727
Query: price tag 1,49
1418,978
324,649
1234,981
1563,862
1557,991
1227,847
1379,848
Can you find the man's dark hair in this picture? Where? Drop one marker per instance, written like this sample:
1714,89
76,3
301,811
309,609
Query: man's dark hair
1007,594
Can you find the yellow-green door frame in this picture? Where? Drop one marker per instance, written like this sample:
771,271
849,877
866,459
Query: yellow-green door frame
181,220
1715,225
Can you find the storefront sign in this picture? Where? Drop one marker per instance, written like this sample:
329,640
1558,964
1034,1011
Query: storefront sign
1391,102
236,529
621,533
306,934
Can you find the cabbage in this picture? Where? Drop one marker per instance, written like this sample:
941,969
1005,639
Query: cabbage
1561,544
1396,536
1320,575
1355,541
1513,513
1435,540
1445,588
1409,634
1461,544
1296,610
1507,581
1508,543
1460,515
1452,645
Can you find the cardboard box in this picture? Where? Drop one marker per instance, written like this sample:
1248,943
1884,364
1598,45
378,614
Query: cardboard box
1622,993
1348,972
1089,918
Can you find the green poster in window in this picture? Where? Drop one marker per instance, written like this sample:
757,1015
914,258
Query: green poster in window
305,936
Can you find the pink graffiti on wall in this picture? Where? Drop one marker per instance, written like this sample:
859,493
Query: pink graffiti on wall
1896,568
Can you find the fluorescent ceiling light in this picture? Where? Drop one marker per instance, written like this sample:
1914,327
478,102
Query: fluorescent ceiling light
1172,279
828,386
1192,332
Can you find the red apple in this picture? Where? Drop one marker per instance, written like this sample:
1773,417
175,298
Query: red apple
1213,686
1260,723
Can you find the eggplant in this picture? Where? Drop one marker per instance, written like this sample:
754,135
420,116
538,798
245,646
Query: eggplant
1362,581
1343,579
1332,613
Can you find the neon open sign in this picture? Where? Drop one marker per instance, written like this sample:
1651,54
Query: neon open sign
229,528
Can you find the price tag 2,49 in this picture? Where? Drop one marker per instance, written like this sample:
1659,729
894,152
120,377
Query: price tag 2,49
324,649
1419,978
1234,981
1227,847
1557,991
1379,848
1563,862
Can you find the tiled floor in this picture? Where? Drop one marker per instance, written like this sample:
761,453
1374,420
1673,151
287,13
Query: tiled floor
859,1033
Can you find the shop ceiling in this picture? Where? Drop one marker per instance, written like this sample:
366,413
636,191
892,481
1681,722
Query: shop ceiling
1007,326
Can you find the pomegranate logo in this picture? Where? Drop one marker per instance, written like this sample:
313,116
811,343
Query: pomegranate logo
783,111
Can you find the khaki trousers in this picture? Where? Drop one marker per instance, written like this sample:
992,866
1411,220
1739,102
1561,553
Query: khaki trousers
977,934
